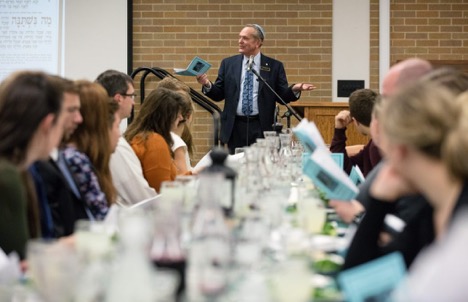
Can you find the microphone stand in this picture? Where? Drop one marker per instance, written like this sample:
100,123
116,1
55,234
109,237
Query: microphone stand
290,109
287,114
277,126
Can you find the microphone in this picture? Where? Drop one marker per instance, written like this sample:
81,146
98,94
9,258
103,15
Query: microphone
250,63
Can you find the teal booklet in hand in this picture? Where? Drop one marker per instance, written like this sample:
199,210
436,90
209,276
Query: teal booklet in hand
374,280
326,174
196,67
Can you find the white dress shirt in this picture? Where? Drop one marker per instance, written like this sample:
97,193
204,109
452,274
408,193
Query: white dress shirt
127,175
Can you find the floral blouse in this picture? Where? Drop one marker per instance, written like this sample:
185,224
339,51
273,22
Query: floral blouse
87,182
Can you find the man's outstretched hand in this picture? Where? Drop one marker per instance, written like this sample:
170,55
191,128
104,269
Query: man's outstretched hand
303,87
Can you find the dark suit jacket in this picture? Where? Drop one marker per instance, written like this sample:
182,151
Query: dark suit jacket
66,208
228,84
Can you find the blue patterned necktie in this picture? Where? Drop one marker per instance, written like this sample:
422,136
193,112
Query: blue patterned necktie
247,94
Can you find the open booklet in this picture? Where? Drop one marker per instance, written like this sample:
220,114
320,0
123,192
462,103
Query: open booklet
328,176
323,167
374,280
196,67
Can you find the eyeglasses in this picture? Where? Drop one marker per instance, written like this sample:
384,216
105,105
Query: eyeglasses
132,95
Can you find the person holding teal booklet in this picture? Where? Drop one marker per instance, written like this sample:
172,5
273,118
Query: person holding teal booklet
249,105
374,236
430,161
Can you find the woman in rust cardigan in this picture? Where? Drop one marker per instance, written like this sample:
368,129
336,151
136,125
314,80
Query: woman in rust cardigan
150,134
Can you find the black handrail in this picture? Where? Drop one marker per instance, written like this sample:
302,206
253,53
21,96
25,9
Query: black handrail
198,98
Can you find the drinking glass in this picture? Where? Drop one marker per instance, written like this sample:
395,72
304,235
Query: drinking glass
239,150
292,280
312,213
54,269
167,223
94,239
269,133
272,204
250,241
172,193
189,188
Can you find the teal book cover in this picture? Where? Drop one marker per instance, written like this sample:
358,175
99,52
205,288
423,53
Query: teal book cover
373,281
196,67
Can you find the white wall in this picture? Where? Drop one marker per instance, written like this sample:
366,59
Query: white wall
351,43
95,37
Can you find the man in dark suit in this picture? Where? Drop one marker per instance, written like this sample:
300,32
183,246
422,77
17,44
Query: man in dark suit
62,204
66,205
249,106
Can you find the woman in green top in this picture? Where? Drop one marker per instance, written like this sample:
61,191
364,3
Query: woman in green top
31,125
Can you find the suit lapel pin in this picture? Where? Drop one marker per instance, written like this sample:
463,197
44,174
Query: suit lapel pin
265,68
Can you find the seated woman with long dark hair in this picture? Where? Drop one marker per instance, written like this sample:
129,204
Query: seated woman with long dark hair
150,134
